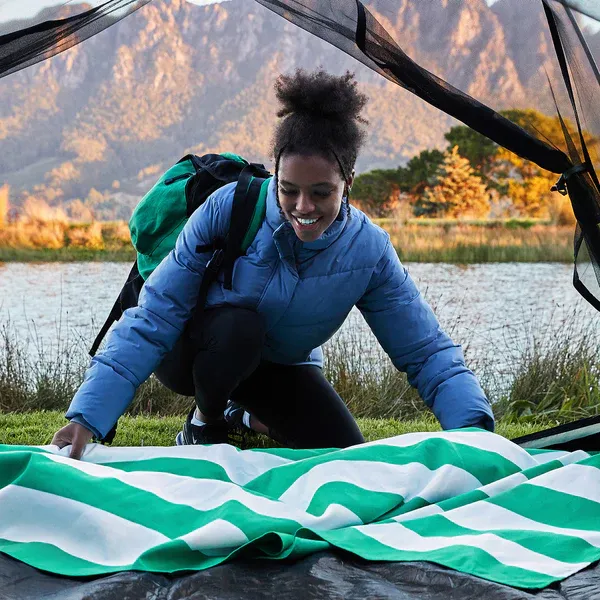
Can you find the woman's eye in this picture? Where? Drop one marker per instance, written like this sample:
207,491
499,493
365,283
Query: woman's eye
294,192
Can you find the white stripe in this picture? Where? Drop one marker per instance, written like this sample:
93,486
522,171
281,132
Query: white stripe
217,538
486,516
490,490
482,440
241,466
508,483
208,494
409,481
509,553
425,511
576,480
503,485
561,455
81,530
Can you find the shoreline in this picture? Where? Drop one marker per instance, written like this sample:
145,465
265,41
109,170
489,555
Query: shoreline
462,254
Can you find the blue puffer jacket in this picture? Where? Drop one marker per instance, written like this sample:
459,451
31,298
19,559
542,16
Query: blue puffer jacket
304,291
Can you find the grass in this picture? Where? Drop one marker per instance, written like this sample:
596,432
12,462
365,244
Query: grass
422,240
67,254
37,428
555,379
470,244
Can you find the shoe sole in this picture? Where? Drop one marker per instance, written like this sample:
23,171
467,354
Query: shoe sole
179,439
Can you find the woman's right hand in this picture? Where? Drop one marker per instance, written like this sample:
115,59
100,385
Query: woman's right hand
74,434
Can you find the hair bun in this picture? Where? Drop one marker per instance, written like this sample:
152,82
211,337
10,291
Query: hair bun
319,95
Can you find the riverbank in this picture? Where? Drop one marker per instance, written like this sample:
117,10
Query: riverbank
427,241
68,254
546,375
37,428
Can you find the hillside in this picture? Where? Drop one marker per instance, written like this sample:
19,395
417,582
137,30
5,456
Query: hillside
98,122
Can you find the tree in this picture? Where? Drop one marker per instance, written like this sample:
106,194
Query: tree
376,191
420,172
379,191
458,192
531,197
480,151
4,205
522,182
526,184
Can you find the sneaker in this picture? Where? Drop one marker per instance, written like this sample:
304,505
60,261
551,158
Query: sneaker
211,433
238,430
234,416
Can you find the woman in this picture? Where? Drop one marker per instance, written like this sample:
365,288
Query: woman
258,344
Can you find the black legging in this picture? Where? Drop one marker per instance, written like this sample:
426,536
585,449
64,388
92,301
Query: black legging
218,358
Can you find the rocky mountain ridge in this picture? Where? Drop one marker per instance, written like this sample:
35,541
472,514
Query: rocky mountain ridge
110,113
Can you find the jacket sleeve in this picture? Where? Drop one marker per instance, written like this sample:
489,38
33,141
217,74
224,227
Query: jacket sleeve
145,333
410,333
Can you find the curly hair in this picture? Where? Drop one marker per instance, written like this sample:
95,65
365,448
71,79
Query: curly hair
320,114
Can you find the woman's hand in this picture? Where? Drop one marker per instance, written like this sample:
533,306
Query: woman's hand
75,434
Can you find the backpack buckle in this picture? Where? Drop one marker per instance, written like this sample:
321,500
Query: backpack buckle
216,261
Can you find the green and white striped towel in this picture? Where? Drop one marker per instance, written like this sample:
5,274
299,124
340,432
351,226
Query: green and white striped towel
469,500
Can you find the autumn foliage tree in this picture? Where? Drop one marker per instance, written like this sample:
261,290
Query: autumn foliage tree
458,191
376,191
380,191
522,182
4,205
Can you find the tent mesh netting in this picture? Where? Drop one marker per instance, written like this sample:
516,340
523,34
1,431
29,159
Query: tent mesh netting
353,26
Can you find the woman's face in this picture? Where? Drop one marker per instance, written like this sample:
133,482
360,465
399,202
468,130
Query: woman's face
310,189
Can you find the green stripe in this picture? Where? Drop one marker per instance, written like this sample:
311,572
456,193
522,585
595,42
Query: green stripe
7,449
485,466
367,505
474,495
565,548
552,508
131,503
186,467
53,559
460,557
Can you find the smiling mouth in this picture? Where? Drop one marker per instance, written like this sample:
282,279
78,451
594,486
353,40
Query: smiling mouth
307,223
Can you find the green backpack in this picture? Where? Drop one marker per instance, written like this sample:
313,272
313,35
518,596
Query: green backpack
162,213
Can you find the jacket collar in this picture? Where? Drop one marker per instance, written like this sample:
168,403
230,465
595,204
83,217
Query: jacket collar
282,227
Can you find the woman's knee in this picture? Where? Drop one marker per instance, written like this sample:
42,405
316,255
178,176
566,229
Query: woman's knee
230,327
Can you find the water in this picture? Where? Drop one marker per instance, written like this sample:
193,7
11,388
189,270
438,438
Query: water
491,309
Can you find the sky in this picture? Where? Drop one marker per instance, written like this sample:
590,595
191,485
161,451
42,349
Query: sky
23,9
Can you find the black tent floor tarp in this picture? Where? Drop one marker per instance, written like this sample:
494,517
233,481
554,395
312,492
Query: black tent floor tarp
324,575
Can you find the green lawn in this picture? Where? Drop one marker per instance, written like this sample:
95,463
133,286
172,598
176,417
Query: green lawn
37,428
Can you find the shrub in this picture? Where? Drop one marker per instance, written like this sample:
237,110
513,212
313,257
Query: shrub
85,236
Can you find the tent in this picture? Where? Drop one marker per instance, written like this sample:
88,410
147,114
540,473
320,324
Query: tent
354,27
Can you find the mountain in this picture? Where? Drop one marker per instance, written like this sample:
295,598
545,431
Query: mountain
101,120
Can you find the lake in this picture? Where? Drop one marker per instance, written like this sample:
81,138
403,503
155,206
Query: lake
491,309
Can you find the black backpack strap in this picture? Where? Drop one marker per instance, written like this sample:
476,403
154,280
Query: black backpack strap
127,298
245,198
228,250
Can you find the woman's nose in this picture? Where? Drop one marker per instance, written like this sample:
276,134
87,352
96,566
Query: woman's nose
304,204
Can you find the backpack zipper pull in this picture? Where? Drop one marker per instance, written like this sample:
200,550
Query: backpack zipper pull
174,179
